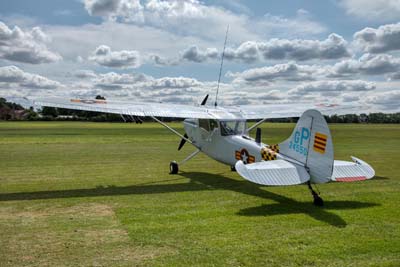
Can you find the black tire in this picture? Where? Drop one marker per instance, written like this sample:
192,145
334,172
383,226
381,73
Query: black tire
173,167
233,169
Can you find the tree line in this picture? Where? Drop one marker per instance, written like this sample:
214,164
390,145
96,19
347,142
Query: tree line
13,111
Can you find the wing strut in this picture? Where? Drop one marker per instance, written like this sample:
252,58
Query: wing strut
122,116
255,125
172,130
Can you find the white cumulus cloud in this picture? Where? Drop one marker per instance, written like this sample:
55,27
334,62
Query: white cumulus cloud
14,77
368,64
115,59
387,100
379,10
281,72
332,88
127,10
383,39
25,46
192,17
334,47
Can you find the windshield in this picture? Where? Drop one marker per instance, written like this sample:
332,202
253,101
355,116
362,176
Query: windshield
232,127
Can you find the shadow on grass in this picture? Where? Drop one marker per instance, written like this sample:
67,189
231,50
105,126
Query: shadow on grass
199,181
285,205
379,178
110,190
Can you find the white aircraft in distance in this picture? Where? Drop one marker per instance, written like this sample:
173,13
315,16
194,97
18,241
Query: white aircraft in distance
222,134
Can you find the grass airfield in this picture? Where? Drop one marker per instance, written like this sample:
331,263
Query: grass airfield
99,194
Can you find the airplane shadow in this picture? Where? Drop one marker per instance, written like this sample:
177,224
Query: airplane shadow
199,181
380,178
284,204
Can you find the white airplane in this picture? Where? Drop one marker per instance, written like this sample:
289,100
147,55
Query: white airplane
306,157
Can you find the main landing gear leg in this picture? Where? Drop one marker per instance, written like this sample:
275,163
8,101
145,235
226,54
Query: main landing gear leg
318,201
173,165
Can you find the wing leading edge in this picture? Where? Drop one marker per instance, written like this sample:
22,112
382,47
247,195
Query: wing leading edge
196,112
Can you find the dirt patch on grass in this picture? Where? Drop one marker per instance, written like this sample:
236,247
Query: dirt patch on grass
87,234
85,209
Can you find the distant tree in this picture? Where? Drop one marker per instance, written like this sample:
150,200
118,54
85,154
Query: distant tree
336,119
377,117
350,118
363,117
49,112
32,115
10,105
3,102
9,110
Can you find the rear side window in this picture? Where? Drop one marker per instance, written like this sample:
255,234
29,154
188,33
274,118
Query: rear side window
208,125
213,124
203,123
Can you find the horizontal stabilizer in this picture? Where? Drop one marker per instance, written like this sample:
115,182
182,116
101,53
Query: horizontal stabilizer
276,172
346,171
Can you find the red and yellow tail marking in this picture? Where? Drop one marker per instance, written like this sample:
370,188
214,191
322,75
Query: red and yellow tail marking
320,142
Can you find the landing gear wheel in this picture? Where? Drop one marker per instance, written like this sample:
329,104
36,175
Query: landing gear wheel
233,169
318,201
173,167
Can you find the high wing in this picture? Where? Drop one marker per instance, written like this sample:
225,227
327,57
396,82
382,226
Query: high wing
153,109
132,108
274,111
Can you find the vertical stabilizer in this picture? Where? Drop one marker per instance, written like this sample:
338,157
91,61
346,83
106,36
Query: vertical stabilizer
311,144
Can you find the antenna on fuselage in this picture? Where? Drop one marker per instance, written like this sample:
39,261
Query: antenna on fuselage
220,68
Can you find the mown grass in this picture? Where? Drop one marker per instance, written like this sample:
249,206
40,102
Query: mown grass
99,194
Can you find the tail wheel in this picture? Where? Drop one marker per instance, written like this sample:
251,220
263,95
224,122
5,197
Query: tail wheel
173,167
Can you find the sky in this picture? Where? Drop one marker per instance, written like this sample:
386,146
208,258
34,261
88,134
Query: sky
333,51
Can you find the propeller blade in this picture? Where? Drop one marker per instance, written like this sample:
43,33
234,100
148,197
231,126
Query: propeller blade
183,141
204,101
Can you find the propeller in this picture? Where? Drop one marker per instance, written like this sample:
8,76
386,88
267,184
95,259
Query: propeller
204,101
183,141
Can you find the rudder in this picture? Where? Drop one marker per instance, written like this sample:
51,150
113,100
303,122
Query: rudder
311,144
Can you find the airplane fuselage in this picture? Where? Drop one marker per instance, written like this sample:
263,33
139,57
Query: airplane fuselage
224,141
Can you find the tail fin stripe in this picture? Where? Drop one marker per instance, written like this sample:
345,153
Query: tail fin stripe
319,143
322,151
320,138
319,146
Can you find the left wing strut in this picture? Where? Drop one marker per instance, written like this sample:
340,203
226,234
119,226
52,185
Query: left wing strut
173,130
